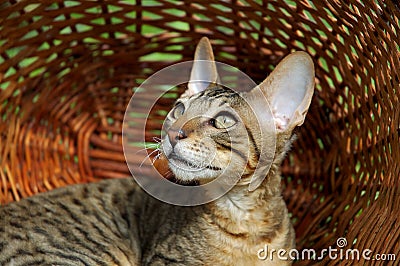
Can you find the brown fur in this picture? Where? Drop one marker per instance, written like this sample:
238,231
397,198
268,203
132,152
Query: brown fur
114,222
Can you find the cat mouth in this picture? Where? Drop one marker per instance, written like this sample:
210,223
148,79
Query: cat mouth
186,165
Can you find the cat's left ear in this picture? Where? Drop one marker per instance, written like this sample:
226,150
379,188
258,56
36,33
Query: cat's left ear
289,90
204,70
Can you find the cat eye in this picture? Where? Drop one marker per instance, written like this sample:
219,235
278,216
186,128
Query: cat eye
179,109
223,121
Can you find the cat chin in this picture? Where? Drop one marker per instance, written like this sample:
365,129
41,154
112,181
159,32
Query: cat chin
203,175
188,172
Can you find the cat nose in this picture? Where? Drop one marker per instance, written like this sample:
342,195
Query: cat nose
176,135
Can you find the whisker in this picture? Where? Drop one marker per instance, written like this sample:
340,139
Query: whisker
148,156
169,172
157,156
149,146
157,139
144,149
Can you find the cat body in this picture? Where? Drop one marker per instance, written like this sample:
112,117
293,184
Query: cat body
114,222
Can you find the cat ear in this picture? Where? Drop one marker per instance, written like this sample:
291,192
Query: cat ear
289,89
204,70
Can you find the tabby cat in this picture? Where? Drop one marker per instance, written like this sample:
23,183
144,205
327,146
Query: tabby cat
114,222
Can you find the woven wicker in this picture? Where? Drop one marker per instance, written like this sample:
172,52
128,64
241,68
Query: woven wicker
68,69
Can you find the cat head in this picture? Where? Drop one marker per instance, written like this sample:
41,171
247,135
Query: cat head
213,130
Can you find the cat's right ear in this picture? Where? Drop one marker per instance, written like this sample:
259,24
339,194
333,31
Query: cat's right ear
289,89
204,70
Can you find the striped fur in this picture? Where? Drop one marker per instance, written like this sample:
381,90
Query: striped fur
114,222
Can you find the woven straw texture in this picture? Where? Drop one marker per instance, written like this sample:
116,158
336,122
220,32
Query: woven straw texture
69,68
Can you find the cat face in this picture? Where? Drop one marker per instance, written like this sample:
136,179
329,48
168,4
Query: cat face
214,130
206,133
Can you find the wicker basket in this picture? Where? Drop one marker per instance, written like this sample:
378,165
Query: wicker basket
67,69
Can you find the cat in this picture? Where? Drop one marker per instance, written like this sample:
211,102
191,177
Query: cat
114,222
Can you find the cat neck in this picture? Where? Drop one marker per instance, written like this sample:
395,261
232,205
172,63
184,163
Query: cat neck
259,212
